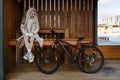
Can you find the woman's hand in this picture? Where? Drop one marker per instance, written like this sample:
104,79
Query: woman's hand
29,34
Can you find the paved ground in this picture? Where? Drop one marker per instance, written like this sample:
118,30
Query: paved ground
110,71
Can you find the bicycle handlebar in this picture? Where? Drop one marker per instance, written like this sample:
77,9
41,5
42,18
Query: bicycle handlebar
52,31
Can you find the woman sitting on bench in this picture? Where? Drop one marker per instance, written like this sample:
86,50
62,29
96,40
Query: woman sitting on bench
30,29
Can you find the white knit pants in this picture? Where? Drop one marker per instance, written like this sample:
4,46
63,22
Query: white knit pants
29,42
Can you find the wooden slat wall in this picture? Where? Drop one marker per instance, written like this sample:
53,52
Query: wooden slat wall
11,23
77,15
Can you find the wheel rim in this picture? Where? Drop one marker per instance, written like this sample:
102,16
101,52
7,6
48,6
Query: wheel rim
91,61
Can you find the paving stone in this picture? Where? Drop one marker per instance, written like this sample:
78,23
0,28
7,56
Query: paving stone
65,72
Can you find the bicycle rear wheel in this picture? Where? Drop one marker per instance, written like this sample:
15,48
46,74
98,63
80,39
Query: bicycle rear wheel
91,60
48,60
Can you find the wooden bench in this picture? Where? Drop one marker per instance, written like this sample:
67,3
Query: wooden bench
47,42
12,42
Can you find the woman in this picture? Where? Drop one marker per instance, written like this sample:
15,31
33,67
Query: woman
30,31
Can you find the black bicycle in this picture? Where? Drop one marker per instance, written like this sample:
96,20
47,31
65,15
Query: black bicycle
88,57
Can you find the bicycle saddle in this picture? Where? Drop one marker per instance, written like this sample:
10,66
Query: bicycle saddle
80,38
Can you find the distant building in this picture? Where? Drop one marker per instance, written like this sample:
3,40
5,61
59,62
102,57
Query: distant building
108,29
110,25
114,20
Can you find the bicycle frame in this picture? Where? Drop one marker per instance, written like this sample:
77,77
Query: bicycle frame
61,42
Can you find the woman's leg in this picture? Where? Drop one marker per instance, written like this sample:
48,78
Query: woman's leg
26,39
27,44
30,55
31,42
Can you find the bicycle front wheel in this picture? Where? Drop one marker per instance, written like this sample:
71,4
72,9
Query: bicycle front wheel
91,60
48,60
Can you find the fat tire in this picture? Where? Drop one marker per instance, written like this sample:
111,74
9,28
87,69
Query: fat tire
57,64
82,54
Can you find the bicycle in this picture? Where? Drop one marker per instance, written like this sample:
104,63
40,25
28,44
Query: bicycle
89,57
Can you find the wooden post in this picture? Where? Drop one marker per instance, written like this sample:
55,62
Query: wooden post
66,33
95,4
1,41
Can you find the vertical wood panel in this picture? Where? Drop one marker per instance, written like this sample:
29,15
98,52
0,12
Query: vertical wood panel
11,23
69,16
68,13
65,14
86,20
57,13
91,32
73,19
48,13
77,18
82,17
52,13
80,20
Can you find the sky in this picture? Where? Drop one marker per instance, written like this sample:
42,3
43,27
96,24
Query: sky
108,8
